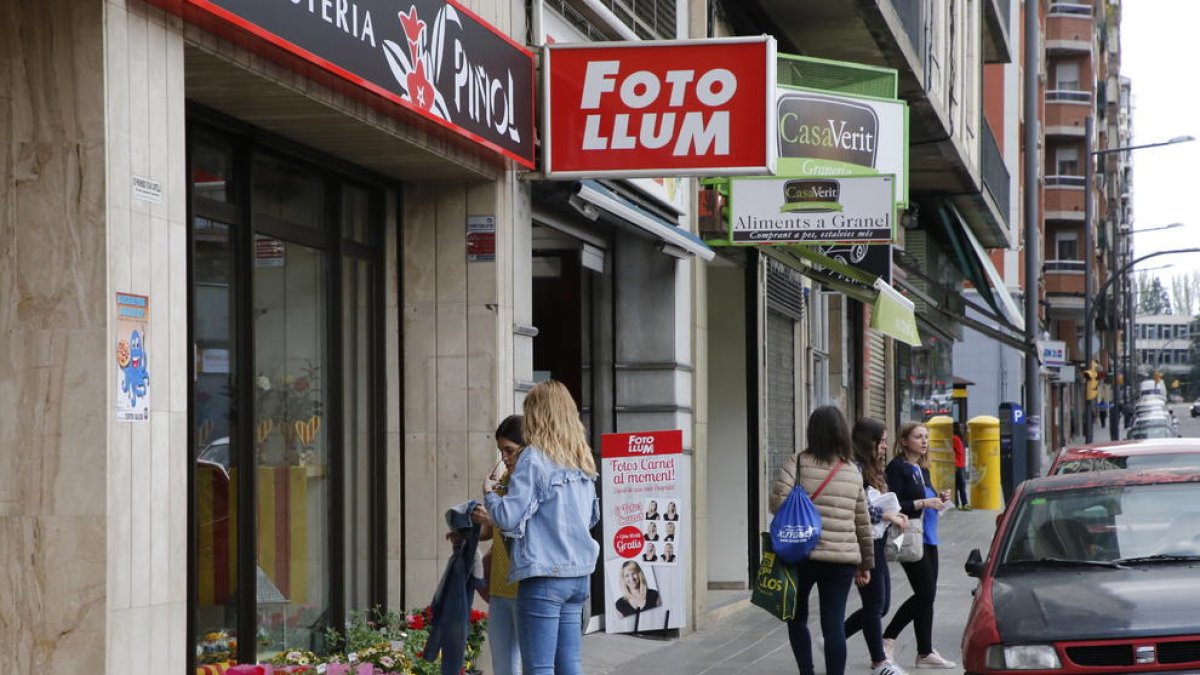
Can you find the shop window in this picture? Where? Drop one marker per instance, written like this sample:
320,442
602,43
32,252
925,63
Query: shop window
287,418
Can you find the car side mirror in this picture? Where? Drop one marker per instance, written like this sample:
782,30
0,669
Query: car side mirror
974,565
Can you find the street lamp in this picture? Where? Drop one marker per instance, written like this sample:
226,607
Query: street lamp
1088,316
1089,247
1125,229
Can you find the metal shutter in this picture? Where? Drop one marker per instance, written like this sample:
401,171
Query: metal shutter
781,389
875,371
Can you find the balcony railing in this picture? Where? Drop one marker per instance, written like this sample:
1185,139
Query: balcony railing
1069,9
1068,96
995,173
1066,181
1063,266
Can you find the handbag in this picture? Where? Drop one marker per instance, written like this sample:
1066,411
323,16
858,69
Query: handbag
796,527
907,546
775,584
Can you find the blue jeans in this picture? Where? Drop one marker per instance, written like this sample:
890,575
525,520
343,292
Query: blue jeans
502,636
833,584
876,596
550,624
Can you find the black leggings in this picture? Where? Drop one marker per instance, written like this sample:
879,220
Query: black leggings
918,609
960,487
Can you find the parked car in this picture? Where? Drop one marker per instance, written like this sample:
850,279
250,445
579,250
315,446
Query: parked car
1196,407
1128,455
1090,573
1152,431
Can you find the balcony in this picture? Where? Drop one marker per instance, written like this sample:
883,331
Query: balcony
1064,288
996,32
1064,197
1069,28
995,173
1067,111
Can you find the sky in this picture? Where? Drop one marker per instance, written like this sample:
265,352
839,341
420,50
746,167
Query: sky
1159,56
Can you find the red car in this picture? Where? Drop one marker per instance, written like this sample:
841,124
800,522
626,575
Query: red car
1095,572
1158,453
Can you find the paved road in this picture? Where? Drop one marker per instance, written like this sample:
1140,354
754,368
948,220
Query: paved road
751,641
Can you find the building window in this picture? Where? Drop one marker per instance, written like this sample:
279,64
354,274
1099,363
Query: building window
285,298
1066,246
1066,161
1066,75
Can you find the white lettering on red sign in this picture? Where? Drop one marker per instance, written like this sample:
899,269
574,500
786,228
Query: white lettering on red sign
696,132
641,445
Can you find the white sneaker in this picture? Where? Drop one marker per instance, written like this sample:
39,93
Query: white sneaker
934,660
887,668
889,649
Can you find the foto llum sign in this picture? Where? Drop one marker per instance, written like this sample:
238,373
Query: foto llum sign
629,109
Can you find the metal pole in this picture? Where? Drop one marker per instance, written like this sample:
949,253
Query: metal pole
1089,261
1115,319
1033,243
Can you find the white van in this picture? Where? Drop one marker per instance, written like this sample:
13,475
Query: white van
1153,388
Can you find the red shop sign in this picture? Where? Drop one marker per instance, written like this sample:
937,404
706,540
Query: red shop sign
641,443
671,108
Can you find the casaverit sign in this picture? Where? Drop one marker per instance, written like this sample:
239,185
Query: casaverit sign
810,211
824,136
434,57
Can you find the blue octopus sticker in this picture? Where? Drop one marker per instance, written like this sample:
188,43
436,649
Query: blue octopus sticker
133,400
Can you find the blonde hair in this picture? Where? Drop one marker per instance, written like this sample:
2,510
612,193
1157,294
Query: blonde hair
552,424
901,449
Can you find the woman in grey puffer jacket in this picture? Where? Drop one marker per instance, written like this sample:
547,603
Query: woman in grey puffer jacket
845,551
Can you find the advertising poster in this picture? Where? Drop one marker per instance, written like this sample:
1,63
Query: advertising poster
133,374
645,484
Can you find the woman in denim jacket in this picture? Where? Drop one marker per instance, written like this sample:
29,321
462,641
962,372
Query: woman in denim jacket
546,514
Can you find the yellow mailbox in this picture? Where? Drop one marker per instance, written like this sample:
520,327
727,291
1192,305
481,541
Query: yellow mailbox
941,452
984,434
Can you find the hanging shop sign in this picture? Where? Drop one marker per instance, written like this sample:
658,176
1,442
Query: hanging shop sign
436,58
826,136
1053,353
647,538
663,108
855,210
873,259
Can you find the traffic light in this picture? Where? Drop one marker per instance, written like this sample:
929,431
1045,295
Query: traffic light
1093,382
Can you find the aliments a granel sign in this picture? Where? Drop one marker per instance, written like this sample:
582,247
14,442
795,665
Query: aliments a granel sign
434,57
673,108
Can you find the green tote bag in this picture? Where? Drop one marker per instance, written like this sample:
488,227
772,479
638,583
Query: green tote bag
775,584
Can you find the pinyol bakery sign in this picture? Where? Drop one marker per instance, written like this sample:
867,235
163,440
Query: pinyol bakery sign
433,57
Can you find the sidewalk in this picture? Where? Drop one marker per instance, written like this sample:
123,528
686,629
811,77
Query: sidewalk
752,641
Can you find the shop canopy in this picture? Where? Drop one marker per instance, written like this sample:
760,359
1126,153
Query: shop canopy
673,239
975,264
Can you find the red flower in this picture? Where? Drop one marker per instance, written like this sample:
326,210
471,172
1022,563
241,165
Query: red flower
301,384
416,622
477,616
413,27
419,88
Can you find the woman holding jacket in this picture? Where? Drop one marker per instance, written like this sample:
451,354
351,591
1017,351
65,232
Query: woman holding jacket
546,514
908,476
844,553
869,437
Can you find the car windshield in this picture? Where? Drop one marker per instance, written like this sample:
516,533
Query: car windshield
1151,431
1105,524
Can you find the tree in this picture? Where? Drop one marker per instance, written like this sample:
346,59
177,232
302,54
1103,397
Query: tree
1185,293
1152,297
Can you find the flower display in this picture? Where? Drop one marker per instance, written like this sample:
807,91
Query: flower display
391,642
